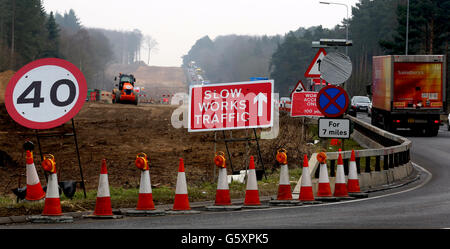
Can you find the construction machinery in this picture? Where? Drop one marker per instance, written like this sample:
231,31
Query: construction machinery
125,92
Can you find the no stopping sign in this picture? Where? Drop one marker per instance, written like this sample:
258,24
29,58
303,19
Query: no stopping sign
45,93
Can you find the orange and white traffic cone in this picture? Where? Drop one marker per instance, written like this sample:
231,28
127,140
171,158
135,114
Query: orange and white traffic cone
324,189
34,190
353,181
145,201
340,187
145,205
284,186
103,202
52,208
52,202
223,200
223,191
181,201
306,191
251,193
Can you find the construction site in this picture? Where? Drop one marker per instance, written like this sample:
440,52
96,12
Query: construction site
118,132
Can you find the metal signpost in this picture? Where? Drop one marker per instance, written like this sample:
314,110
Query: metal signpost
45,94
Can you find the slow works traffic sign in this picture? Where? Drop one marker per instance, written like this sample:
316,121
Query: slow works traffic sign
229,106
45,93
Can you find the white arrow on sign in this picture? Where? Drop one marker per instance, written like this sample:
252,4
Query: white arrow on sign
260,98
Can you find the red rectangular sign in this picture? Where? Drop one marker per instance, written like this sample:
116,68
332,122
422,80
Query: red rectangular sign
230,106
304,104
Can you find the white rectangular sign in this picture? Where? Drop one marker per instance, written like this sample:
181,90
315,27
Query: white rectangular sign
334,128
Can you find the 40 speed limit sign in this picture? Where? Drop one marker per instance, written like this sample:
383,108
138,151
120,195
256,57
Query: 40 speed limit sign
45,93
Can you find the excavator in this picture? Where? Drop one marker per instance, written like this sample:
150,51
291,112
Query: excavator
125,93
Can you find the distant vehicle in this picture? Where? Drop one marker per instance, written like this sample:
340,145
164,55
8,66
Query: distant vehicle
408,91
360,103
369,109
448,122
126,91
285,103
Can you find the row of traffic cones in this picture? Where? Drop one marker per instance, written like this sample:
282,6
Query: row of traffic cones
342,189
181,203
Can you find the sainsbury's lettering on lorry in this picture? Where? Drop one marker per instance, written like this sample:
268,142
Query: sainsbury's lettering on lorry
408,92
231,106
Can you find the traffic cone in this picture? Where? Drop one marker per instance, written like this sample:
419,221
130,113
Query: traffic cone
340,187
223,192
324,189
252,194
145,201
306,191
284,186
103,203
353,181
52,212
52,205
34,190
181,195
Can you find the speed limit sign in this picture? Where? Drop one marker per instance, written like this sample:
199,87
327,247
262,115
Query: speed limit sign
45,93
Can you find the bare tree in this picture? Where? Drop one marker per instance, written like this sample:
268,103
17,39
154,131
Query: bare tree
151,44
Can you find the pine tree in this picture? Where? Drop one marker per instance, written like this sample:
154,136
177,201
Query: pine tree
52,45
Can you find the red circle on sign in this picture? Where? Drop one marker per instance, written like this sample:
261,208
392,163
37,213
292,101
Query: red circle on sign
82,88
342,110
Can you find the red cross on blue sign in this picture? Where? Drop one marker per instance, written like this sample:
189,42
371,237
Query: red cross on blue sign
332,101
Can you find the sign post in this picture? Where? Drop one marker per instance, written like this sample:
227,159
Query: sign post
230,106
45,94
333,102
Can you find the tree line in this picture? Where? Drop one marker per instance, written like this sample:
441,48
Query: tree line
28,32
376,27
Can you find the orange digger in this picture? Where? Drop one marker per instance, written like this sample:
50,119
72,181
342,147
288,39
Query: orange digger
125,93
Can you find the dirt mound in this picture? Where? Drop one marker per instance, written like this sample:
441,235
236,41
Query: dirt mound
4,80
157,81
119,132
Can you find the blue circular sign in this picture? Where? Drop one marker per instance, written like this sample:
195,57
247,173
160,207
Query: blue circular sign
332,101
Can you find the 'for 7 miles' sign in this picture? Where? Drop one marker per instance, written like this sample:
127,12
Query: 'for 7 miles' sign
231,106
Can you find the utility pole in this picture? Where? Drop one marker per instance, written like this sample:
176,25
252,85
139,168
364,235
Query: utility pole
407,27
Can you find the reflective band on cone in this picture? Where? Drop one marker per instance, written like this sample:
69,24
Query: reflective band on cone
34,190
324,189
353,181
103,203
52,202
340,187
252,194
181,201
306,191
145,201
284,187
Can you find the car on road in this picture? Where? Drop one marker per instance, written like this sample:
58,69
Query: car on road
360,103
448,122
369,109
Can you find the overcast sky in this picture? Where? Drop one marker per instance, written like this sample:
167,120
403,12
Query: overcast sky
177,25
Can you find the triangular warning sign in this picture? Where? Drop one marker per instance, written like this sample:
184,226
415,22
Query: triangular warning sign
299,87
313,70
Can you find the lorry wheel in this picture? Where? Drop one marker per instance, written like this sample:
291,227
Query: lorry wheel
432,133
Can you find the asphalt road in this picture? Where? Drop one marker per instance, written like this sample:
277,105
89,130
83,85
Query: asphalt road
422,204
